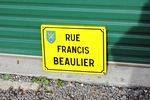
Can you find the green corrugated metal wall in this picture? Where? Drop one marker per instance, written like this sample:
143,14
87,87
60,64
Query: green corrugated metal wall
127,22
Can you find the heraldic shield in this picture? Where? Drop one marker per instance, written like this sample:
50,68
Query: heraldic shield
51,36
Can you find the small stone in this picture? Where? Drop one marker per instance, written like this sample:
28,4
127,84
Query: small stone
81,84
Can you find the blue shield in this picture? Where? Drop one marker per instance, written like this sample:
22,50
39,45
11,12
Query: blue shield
51,36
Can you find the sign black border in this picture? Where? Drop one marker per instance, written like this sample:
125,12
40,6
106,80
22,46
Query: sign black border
72,70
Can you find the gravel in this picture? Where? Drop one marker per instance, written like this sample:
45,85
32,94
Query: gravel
70,90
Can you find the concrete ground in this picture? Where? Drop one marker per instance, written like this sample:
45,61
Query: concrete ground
119,74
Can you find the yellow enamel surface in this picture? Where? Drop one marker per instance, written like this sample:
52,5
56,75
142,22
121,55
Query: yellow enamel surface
90,60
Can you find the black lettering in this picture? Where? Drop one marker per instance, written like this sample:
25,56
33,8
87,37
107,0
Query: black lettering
74,49
81,62
79,50
83,50
72,61
85,62
58,48
61,60
72,37
86,50
55,60
69,49
77,62
67,61
64,49
91,62
67,37
77,37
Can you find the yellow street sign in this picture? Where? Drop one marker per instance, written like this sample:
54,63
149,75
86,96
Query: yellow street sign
79,49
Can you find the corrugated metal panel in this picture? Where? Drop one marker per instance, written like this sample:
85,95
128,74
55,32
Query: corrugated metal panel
128,24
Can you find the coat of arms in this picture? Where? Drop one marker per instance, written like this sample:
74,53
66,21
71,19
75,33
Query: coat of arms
51,36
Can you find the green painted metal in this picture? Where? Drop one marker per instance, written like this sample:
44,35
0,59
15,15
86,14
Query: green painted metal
127,22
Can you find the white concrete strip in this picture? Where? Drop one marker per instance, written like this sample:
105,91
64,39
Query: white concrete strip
128,64
18,55
110,62
116,75
4,85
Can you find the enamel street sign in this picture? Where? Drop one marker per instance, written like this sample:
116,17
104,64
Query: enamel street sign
79,49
